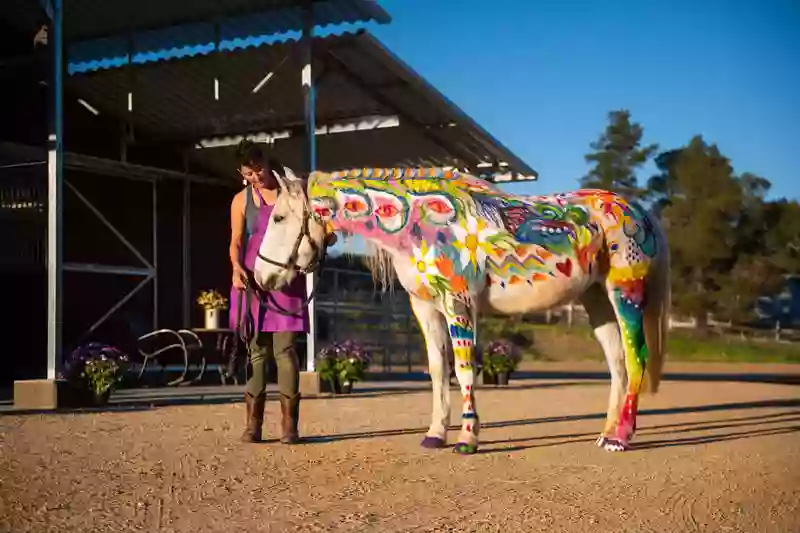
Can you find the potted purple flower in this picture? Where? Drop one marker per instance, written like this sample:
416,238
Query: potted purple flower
500,359
94,370
342,364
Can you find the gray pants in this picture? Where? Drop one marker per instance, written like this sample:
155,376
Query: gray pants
279,345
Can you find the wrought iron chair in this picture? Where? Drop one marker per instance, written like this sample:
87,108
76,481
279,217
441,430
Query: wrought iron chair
164,346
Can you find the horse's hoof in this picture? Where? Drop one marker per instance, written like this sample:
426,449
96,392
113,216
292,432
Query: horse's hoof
462,448
612,445
433,443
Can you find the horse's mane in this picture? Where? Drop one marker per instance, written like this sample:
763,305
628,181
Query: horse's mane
378,262
381,265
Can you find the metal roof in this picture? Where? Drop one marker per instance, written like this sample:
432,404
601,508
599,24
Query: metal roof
358,82
95,19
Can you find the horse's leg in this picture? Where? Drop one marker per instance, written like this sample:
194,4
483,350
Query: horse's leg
603,320
462,336
628,299
434,329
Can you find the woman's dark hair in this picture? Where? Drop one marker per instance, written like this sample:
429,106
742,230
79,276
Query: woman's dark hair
250,154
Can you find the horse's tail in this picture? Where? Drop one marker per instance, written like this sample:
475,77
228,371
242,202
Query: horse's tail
656,311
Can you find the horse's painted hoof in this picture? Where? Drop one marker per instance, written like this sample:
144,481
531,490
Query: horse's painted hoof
612,445
463,448
433,443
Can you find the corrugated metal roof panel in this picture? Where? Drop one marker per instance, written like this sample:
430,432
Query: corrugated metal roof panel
90,19
101,37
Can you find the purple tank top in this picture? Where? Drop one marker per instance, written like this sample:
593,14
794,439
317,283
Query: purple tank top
290,298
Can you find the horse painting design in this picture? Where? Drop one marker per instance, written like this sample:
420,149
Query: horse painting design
458,244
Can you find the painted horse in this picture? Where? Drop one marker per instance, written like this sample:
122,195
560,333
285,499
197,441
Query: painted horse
459,244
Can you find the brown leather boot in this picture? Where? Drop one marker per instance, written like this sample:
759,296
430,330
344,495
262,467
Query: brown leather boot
290,415
255,417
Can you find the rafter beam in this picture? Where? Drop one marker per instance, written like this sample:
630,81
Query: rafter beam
342,68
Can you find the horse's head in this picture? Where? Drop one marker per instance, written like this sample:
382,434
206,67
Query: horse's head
294,241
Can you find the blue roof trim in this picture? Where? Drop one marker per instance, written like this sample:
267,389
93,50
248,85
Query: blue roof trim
181,42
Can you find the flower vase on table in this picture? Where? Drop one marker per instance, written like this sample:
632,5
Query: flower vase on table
212,318
213,303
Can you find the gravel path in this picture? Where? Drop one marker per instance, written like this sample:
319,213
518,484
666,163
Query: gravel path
716,457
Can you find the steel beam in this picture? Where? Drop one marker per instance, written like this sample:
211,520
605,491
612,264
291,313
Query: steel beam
94,268
109,225
55,199
113,309
186,253
155,255
309,104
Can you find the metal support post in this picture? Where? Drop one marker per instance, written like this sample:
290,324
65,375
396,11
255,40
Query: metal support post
155,255
311,126
55,199
186,237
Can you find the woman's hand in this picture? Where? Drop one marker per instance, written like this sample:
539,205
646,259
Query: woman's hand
239,277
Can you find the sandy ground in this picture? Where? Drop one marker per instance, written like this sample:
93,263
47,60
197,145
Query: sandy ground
716,457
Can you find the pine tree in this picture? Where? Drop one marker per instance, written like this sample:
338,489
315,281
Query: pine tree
617,156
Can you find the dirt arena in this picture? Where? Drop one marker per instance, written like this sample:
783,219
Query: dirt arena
716,457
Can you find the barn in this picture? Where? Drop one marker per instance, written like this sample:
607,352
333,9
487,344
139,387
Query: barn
116,157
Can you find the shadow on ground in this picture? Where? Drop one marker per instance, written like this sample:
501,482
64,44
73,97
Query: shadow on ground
501,446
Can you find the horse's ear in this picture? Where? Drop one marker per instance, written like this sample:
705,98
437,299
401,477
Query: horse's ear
282,181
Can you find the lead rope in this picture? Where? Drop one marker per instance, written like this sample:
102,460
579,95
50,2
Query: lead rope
244,326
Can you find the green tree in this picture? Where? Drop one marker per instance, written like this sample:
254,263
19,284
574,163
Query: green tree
782,235
729,246
617,155
700,203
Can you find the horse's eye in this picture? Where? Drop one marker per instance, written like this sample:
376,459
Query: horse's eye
278,218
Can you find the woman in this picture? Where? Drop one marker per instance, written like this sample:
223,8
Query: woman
273,333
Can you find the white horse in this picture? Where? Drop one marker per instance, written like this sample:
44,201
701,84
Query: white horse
458,244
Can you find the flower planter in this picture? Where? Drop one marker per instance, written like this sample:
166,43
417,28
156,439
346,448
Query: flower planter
488,379
101,399
500,359
93,366
341,365
337,387
212,318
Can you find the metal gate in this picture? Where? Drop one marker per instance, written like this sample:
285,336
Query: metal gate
23,234
350,307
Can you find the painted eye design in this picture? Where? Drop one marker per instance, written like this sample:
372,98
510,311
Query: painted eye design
323,212
354,205
390,212
324,207
439,206
437,209
387,211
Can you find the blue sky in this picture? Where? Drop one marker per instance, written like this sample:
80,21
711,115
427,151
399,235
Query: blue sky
541,75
